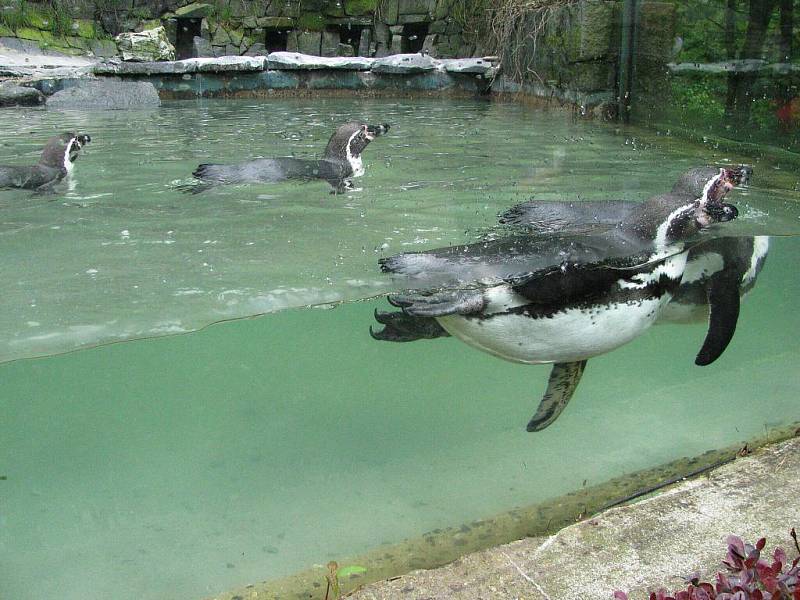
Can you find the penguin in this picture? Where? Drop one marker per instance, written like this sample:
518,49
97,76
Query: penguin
718,272
557,298
56,162
340,163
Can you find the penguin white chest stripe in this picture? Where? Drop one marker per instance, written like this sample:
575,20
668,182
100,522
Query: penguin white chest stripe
703,267
68,164
760,250
355,161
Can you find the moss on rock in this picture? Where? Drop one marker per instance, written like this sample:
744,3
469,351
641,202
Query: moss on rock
359,7
311,22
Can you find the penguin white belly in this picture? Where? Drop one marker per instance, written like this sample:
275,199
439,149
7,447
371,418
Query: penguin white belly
569,335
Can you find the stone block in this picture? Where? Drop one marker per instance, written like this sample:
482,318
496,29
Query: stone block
205,32
245,8
275,22
5,31
437,27
257,49
294,61
421,18
364,42
597,30
146,45
389,11
311,22
442,10
330,43
360,7
291,41
28,33
237,36
220,37
404,64
396,29
231,50
415,7
106,94
250,22
104,48
309,42
429,45
195,10
397,45
345,50
14,95
337,80
333,8
281,80
201,48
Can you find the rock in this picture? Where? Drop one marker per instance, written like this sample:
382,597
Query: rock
345,50
201,48
237,36
231,50
422,18
396,30
257,49
15,95
147,45
466,65
416,7
309,42
108,94
250,22
28,33
276,22
195,10
220,37
429,45
83,28
359,7
364,42
404,63
389,11
295,61
397,45
330,43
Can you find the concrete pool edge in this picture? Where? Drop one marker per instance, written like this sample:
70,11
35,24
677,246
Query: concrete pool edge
481,558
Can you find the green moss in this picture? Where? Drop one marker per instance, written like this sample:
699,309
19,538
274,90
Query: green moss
84,28
26,33
38,20
360,7
5,31
311,22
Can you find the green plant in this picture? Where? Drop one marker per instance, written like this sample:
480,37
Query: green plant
335,574
15,15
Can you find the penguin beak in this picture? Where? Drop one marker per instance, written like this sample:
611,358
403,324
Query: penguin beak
373,131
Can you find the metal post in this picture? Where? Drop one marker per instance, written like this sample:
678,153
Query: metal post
626,56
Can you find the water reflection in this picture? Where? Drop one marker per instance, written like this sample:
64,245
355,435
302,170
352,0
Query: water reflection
574,286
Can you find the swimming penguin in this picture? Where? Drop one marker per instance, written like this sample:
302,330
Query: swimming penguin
340,162
718,272
55,163
557,298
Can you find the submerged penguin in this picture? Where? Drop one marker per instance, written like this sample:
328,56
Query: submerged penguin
55,163
558,298
718,272
340,162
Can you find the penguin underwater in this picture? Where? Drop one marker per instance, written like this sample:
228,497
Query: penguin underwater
56,162
561,297
340,162
718,272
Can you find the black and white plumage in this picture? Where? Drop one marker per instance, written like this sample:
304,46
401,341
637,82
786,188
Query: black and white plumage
56,162
558,298
717,274
340,163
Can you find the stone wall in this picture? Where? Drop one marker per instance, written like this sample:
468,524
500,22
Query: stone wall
250,27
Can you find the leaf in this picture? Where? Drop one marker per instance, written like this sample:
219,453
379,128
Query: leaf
350,570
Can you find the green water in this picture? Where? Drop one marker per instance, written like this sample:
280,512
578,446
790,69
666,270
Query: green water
183,466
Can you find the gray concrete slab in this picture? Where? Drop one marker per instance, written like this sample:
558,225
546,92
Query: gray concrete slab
652,543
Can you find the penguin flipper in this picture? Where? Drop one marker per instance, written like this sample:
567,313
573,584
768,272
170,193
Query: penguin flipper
439,304
401,327
557,215
564,379
723,314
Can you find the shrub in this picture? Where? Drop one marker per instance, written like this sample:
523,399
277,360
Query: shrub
747,577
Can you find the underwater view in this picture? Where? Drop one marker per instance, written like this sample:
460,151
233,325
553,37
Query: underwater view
310,376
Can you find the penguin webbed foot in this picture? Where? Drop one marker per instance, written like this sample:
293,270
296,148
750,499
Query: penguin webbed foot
400,327
439,304
564,380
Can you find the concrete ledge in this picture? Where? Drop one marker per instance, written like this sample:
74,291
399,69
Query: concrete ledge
635,548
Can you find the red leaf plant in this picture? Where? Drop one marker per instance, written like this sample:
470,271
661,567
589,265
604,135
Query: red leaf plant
748,577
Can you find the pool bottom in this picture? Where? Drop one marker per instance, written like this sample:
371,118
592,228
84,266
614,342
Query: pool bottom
442,546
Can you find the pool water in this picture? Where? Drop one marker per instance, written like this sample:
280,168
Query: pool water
181,466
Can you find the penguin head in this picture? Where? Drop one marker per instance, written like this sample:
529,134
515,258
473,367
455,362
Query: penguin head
61,151
350,139
693,182
689,213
